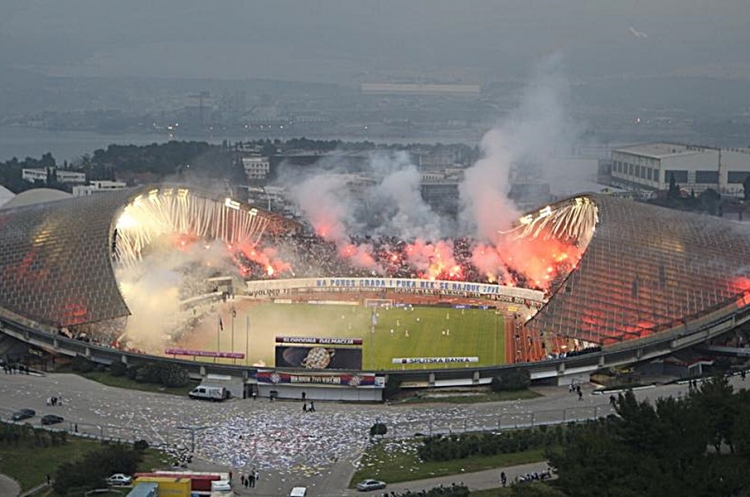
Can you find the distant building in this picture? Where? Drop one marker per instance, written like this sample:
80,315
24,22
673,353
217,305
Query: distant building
63,176
97,187
440,190
420,89
256,167
650,167
441,160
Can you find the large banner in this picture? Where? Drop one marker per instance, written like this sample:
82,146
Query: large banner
320,340
344,380
205,353
318,357
277,288
433,360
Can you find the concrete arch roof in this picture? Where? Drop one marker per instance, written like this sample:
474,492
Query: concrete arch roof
5,196
56,258
36,196
648,269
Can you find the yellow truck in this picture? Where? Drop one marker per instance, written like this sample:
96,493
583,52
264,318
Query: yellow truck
169,486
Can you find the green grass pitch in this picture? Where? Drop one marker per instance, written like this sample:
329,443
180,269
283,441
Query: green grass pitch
400,332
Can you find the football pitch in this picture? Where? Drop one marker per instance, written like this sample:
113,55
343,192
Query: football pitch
399,332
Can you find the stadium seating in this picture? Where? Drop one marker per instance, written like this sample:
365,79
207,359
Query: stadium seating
647,269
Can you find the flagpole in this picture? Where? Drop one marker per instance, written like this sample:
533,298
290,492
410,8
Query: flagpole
218,337
372,340
247,338
234,313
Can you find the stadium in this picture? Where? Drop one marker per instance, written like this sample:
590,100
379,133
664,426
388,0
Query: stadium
174,273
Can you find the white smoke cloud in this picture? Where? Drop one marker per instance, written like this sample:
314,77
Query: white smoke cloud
410,216
325,203
338,204
526,145
154,288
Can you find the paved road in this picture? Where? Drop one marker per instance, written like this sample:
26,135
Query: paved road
9,487
287,446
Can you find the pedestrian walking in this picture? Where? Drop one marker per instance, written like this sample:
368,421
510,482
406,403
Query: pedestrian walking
312,406
580,395
503,478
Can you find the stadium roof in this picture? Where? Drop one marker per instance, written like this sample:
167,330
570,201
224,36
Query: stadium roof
5,195
648,269
56,258
36,196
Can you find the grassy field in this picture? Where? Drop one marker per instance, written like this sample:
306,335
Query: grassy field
399,332
395,462
454,398
106,378
30,465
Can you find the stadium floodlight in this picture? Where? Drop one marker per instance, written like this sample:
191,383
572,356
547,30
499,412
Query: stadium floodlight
526,219
232,204
126,220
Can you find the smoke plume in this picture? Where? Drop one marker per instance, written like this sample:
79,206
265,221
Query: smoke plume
524,147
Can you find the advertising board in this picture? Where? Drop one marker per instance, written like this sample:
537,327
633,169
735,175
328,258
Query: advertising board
318,357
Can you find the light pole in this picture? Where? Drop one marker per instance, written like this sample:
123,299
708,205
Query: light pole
234,314
192,430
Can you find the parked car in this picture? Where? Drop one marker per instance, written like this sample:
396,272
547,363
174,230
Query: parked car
51,419
216,394
366,485
23,414
120,479
298,492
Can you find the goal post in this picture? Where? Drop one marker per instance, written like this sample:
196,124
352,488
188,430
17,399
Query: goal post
378,302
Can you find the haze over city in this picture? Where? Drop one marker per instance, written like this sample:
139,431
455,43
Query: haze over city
336,41
671,69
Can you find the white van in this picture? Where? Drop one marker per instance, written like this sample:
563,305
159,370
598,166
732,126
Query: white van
298,492
209,393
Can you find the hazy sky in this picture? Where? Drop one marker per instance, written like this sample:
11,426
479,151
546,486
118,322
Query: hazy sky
349,41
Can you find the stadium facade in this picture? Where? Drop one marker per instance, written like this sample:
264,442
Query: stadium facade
648,276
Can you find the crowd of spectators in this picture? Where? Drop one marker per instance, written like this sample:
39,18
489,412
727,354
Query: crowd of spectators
309,255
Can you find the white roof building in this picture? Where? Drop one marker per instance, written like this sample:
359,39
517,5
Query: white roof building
5,195
98,187
651,166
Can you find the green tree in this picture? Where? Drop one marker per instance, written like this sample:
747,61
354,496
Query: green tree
173,375
717,405
511,380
